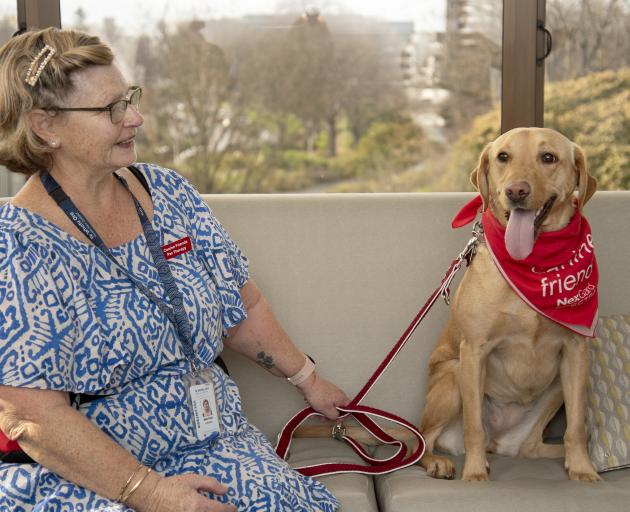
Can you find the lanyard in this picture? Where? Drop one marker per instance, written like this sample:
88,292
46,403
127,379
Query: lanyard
175,312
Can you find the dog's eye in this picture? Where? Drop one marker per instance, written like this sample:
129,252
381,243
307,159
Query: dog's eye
549,158
503,157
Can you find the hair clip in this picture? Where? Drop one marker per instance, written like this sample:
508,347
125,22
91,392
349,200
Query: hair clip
34,70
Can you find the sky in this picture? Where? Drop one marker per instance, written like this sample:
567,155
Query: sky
428,15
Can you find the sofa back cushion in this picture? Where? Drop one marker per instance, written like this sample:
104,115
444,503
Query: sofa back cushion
346,274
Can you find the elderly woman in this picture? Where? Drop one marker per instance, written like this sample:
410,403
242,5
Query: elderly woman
119,286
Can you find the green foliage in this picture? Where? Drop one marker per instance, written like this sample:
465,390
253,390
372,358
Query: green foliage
405,181
593,111
270,170
389,147
379,163
466,151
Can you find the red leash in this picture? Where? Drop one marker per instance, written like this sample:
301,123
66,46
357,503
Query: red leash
362,413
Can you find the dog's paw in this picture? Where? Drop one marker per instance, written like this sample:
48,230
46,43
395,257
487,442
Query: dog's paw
476,474
581,469
475,477
584,476
438,466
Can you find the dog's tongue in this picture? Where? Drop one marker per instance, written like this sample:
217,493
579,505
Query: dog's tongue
519,235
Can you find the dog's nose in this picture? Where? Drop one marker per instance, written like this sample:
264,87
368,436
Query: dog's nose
517,191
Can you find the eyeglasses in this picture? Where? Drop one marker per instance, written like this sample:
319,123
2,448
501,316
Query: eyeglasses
116,109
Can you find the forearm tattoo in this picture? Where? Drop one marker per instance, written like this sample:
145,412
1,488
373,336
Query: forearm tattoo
266,361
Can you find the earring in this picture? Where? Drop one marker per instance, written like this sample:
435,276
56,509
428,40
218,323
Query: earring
54,143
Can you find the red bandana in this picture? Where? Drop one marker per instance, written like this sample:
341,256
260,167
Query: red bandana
558,279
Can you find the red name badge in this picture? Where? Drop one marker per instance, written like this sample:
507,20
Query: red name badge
177,247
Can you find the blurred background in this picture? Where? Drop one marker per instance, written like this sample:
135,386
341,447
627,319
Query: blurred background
264,96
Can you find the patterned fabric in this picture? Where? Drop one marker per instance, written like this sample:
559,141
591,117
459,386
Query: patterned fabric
608,406
71,321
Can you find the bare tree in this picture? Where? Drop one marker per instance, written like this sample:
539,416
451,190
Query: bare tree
365,87
310,58
320,75
589,36
195,103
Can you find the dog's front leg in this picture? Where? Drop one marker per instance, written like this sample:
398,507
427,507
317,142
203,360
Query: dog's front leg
574,369
471,385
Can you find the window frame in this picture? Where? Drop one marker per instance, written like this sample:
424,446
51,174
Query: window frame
523,65
38,14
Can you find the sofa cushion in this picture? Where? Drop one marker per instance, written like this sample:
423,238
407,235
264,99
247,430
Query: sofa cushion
345,274
354,491
608,406
517,485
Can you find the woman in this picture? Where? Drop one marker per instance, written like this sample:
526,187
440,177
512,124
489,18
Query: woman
126,295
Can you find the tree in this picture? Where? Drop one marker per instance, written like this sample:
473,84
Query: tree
319,75
310,58
195,102
389,148
593,111
364,86
588,36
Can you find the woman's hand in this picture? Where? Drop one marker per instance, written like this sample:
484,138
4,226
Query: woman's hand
182,494
323,396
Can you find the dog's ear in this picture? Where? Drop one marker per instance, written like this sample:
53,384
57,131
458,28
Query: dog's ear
479,177
587,185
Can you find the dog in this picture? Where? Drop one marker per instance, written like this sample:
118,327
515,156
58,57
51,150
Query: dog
500,370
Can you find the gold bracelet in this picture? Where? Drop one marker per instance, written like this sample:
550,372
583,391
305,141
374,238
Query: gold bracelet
136,485
124,487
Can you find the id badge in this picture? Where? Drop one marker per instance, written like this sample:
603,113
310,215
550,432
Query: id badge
203,404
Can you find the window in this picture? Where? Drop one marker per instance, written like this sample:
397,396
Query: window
587,83
249,97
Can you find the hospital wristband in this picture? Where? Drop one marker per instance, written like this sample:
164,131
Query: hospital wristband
304,373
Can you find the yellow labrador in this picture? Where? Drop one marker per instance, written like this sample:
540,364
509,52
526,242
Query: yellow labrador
500,371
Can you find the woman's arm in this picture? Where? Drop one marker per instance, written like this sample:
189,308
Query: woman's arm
60,438
261,338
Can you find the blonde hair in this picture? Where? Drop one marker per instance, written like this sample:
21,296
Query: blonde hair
21,150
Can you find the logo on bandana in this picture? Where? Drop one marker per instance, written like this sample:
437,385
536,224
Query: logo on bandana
570,283
558,279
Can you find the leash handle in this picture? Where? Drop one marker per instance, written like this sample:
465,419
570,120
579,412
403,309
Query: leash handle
363,413
400,459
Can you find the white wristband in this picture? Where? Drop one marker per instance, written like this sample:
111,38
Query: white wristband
304,373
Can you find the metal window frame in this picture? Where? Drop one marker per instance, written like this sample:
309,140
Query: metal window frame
522,71
522,74
33,14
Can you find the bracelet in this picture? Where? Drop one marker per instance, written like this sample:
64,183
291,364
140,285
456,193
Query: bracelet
124,487
304,373
135,487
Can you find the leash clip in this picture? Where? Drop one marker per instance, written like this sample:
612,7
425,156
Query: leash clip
471,247
467,254
339,431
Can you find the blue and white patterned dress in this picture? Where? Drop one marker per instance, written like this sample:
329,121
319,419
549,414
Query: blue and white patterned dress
71,321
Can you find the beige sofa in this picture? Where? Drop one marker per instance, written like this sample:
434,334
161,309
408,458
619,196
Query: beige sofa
345,275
